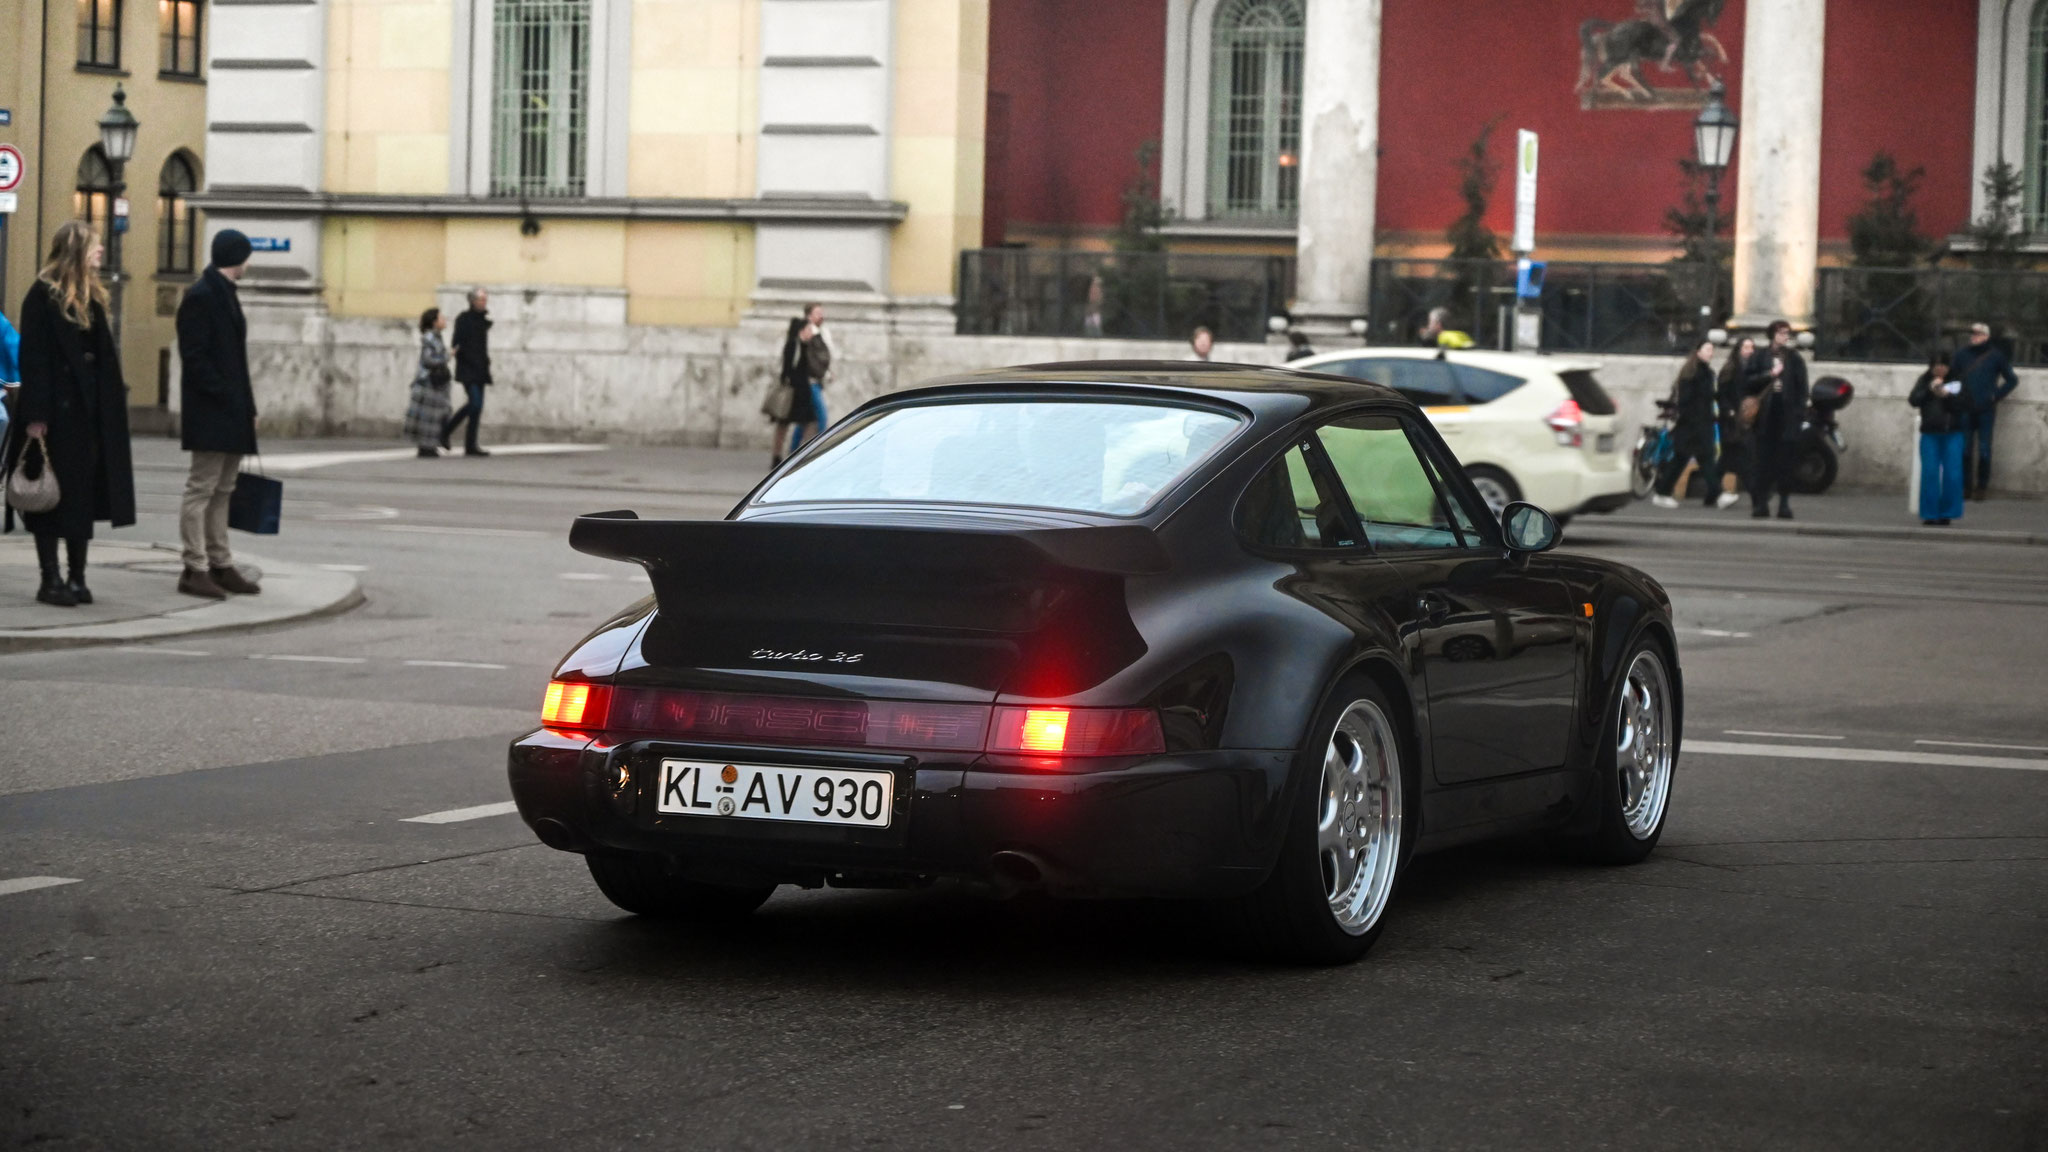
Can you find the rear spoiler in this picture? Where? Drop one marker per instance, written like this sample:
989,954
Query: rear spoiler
1121,550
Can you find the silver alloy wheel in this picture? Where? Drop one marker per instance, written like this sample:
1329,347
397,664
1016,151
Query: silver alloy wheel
1358,819
1494,493
1642,748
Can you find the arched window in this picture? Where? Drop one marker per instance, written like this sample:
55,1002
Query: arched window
92,203
2037,120
1255,109
174,223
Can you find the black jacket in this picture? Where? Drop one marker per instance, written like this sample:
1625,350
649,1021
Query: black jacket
792,355
217,405
1939,412
71,381
1783,415
1981,368
1694,393
472,343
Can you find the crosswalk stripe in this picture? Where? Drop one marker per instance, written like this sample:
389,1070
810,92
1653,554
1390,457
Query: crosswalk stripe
31,883
1863,755
458,815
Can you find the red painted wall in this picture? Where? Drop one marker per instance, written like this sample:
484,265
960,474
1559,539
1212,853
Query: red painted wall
1912,94
1086,88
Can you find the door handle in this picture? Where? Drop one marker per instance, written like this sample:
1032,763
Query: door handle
1432,607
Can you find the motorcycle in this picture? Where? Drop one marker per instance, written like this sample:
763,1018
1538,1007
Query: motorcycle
1820,442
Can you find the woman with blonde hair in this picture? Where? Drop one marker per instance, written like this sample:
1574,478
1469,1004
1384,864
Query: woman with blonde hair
73,409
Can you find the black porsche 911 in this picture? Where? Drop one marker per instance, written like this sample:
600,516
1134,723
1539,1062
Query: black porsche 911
1106,630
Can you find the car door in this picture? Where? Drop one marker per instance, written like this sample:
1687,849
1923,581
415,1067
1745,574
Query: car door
1496,637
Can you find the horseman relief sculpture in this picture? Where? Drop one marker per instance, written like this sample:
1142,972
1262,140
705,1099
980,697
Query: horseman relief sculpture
1620,60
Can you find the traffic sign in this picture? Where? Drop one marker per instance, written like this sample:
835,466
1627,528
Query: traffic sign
6,117
270,243
8,202
1525,192
12,167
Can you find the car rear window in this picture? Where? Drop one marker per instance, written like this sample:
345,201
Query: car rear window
1593,399
1077,455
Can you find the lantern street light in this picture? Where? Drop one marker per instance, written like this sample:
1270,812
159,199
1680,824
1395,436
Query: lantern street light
1713,141
117,142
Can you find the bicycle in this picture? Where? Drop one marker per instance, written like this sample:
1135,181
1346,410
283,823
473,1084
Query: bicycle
1654,447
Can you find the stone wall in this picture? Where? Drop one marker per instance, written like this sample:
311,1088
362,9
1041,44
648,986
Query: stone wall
569,369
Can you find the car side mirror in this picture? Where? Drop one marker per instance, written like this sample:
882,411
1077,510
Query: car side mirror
1529,528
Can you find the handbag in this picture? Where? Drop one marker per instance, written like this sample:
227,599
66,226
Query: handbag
35,492
438,375
778,403
1747,413
257,504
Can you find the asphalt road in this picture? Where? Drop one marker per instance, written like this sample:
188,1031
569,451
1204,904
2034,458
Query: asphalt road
1838,945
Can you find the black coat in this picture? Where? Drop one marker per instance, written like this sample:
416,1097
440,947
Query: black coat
1986,374
1783,415
217,405
472,343
1694,396
71,381
1939,412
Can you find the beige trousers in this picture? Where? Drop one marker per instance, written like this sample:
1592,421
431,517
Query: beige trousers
203,517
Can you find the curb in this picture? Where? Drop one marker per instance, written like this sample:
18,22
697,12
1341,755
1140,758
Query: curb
1839,531
291,593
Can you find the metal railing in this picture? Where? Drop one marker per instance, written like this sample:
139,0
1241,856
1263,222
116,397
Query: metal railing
1649,309
1908,313
1135,295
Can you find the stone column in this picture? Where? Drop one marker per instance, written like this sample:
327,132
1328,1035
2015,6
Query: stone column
1777,187
1340,137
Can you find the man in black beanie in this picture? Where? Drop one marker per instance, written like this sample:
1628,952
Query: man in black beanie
217,417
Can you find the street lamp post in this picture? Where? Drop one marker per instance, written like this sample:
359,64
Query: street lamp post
1713,141
117,142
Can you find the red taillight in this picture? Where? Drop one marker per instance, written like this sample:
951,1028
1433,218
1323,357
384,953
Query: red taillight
1077,732
1567,422
746,719
575,705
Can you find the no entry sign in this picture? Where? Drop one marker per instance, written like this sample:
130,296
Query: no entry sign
11,167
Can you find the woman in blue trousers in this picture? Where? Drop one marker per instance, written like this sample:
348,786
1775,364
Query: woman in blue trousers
1942,405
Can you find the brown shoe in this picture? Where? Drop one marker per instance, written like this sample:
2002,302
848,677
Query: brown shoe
196,582
231,580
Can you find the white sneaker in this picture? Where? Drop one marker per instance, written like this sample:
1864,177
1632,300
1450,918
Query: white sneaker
1664,501
1728,500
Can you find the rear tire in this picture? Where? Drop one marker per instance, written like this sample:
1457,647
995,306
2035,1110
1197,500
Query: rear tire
1638,761
1642,468
1815,470
643,884
1349,834
1496,487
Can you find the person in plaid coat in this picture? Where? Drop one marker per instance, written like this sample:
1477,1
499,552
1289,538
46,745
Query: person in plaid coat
429,408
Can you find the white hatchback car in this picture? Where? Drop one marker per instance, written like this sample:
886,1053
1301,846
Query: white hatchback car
1526,427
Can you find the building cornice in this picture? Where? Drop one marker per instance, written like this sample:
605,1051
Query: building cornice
792,209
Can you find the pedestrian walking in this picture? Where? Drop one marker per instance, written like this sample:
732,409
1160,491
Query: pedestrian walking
427,412
1732,463
1203,342
1944,406
73,407
1987,377
806,366
217,417
1692,434
472,370
1777,378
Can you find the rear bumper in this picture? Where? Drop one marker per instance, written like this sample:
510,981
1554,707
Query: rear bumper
1194,824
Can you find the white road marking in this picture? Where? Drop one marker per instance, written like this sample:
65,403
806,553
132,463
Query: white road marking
1864,755
433,530
160,651
301,461
360,512
1780,735
1969,744
315,659
344,567
1716,632
31,883
582,576
453,664
457,815
543,449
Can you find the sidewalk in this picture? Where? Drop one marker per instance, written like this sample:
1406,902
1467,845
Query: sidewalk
1864,514
136,598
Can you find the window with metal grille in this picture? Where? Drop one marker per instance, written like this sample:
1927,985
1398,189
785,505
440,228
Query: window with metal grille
540,100
1255,110
99,33
175,242
2036,175
178,33
92,201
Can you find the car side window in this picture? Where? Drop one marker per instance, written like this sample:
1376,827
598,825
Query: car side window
1390,486
1284,508
1481,385
1425,381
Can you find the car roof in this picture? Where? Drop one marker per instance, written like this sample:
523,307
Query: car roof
1514,363
1268,392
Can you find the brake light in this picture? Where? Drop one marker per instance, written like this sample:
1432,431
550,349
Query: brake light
749,719
1077,732
1567,423
575,705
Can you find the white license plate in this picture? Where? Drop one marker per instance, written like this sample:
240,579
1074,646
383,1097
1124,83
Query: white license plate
767,792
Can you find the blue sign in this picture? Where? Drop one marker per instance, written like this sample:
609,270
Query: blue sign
270,243
6,117
1529,279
